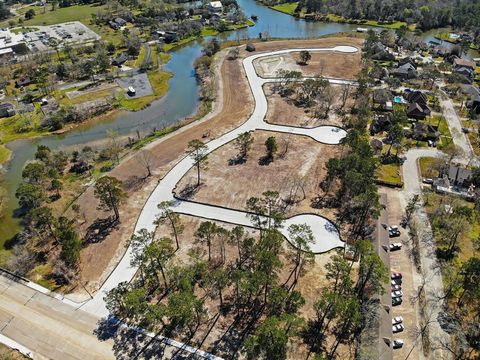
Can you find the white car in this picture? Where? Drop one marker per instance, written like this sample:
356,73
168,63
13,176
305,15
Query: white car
396,287
397,293
396,282
397,320
397,328
131,90
397,344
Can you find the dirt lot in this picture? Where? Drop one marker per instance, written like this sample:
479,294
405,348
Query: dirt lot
401,262
283,111
328,64
99,259
305,160
309,285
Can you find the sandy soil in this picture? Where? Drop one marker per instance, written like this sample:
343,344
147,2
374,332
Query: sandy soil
305,160
99,259
309,285
283,111
328,64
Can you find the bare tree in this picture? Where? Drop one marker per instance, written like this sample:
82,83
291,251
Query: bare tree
345,92
146,159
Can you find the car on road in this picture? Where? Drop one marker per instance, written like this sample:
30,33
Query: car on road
396,287
396,301
397,293
428,181
393,231
395,246
397,320
397,328
396,276
397,344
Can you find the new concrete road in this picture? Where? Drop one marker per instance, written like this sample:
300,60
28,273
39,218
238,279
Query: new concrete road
325,234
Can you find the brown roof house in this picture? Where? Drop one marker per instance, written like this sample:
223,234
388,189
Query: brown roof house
416,97
425,132
382,99
464,62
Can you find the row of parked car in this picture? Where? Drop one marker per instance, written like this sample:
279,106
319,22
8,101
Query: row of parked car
396,288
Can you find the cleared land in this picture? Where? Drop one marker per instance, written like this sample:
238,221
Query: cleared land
99,259
303,162
325,63
284,111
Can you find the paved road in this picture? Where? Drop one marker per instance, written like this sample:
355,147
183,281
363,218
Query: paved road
163,192
47,326
430,266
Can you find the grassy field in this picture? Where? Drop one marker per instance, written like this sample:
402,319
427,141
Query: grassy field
71,13
426,165
287,8
4,154
390,173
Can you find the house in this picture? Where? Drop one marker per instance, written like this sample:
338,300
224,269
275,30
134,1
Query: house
215,7
380,52
113,25
380,123
120,22
458,62
416,97
23,81
250,47
425,132
406,71
170,36
459,176
440,51
417,111
381,98
7,110
120,59
407,60
466,72
474,103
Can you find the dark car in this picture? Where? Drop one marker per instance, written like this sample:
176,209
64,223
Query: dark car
396,276
396,301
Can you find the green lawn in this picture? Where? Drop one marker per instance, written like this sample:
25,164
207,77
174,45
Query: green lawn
426,165
71,13
287,8
390,173
4,154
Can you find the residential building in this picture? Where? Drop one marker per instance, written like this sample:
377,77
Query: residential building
418,111
215,7
406,71
7,110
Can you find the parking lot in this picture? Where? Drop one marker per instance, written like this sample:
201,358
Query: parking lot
139,82
400,262
71,33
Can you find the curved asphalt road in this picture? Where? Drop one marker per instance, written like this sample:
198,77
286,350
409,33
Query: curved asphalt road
326,237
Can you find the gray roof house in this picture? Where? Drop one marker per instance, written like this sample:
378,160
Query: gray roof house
406,71
7,110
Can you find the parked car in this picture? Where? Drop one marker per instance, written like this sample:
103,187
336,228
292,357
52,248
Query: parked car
397,320
396,276
131,90
395,246
393,231
397,328
396,301
397,293
396,282
396,287
397,344
427,181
